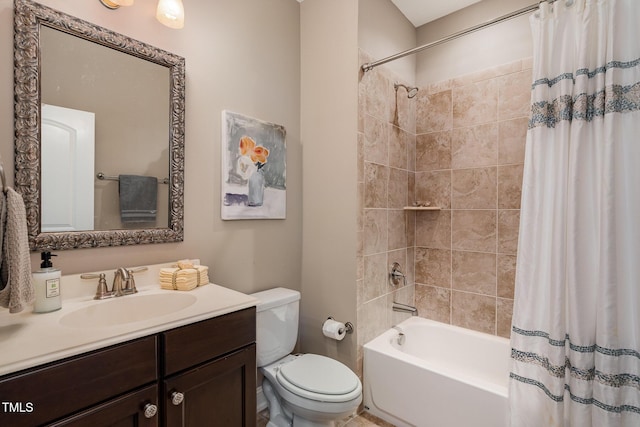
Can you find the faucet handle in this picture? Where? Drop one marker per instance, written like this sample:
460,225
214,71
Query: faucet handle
102,291
130,283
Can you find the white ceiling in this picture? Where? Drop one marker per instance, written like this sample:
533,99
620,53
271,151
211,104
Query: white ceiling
420,12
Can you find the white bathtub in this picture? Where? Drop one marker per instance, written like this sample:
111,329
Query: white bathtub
442,376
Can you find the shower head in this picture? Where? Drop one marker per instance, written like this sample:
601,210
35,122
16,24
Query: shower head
411,91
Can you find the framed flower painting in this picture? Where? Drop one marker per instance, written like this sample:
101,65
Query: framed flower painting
253,168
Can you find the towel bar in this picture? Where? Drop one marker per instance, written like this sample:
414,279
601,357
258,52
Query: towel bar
102,176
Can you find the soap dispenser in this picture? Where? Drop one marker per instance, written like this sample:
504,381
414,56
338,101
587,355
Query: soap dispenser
46,282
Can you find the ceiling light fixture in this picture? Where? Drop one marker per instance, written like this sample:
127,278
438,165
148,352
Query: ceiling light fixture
169,12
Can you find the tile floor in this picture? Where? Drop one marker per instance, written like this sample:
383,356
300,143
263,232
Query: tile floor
364,419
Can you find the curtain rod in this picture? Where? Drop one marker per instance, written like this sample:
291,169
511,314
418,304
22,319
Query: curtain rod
371,65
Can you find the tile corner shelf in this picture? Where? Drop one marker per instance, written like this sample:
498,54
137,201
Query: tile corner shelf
422,208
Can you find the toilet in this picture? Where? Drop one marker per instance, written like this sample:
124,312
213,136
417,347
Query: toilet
302,390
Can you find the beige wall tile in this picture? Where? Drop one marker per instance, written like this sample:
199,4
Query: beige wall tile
474,272
411,153
506,275
433,267
404,111
360,156
433,151
360,207
373,319
378,95
515,95
433,303
508,228
376,141
487,74
398,188
474,188
433,229
411,263
472,311
474,230
475,104
509,186
474,146
434,188
375,276
410,228
433,112
512,135
439,87
375,231
397,229
504,312
411,191
376,178
399,141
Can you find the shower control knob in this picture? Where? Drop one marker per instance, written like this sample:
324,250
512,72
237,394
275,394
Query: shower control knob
177,398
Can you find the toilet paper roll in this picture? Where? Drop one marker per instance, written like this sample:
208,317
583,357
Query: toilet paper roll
333,329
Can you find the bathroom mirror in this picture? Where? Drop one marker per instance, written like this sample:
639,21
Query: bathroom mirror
129,98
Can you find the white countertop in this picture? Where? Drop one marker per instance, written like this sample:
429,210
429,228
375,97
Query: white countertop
29,339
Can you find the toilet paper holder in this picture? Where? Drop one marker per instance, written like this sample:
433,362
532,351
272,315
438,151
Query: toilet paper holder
348,326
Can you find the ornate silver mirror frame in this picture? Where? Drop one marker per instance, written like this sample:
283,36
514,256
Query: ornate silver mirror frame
28,19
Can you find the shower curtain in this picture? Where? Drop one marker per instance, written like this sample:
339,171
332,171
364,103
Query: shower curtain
576,324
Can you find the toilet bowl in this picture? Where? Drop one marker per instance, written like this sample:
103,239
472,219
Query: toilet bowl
302,390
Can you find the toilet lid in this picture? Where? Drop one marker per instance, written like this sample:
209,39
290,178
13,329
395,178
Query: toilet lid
318,375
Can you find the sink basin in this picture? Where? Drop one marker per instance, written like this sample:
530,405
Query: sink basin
127,309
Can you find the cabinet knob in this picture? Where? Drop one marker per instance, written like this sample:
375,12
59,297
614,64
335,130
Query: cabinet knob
150,410
177,398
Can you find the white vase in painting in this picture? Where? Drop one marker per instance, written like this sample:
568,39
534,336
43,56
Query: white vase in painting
256,188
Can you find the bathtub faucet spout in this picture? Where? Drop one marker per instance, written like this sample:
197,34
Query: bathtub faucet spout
404,308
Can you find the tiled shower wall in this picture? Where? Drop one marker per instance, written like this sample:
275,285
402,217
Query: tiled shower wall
470,142
459,145
386,164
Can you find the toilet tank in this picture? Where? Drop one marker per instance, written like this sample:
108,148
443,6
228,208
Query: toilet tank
276,324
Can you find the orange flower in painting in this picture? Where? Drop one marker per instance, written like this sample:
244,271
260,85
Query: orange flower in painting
260,154
247,144
257,153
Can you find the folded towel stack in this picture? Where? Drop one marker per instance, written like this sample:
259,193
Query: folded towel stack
184,277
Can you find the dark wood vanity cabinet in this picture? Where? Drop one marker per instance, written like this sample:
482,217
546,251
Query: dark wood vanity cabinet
209,372
203,374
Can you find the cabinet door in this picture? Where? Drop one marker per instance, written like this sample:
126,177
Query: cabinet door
137,409
218,393
67,387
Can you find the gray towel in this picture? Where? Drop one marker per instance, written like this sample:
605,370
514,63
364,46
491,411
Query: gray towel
15,262
138,198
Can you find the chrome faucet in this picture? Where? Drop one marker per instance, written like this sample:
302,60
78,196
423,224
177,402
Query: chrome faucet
404,308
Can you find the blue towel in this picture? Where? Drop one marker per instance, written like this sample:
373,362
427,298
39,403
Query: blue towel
138,198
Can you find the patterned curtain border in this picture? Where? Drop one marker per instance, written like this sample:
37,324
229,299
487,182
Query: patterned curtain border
586,72
612,99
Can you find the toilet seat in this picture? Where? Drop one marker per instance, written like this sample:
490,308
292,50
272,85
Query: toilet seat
319,378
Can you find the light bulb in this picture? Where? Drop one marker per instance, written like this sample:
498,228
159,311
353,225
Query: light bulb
171,13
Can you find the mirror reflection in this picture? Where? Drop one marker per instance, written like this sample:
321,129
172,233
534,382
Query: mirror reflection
99,133
104,112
